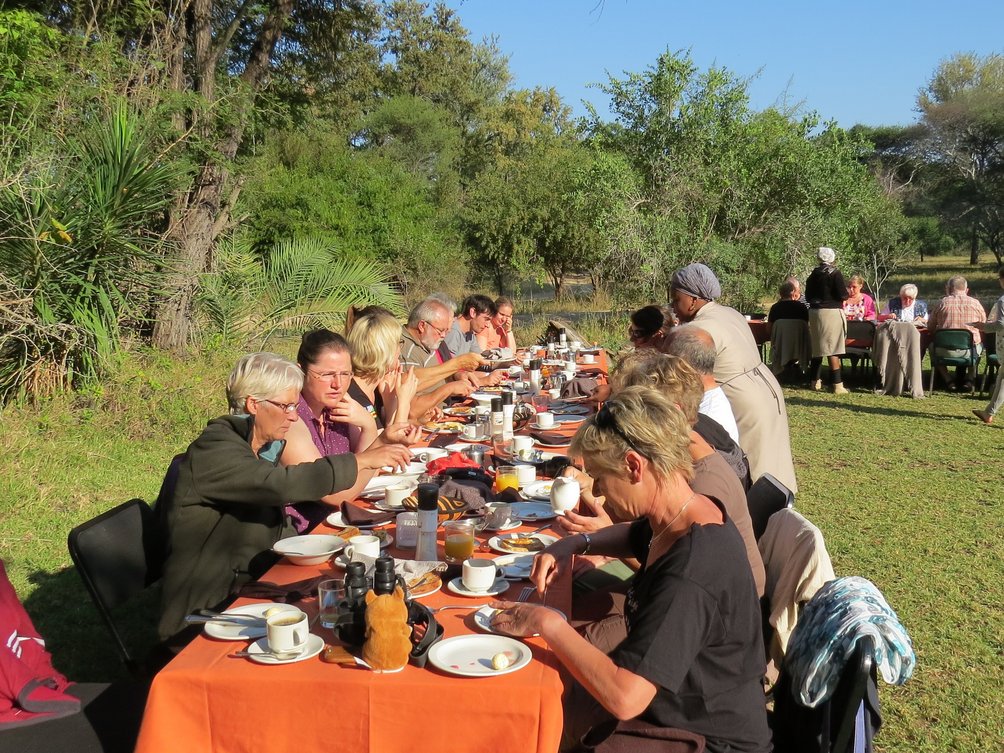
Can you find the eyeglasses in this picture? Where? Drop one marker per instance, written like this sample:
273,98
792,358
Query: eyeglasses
605,420
286,407
440,331
331,376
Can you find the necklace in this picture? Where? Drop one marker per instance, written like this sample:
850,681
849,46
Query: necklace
675,518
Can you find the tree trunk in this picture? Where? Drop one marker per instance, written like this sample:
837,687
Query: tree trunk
200,216
974,247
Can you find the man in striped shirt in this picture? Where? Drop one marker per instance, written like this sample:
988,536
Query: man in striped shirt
958,310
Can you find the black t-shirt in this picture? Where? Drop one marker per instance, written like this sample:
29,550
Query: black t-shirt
375,408
693,622
788,309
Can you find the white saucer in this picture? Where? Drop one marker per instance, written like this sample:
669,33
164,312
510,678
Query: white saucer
258,651
483,619
232,631
495,542
539,490
509,525
515,566
538,427
501,585
533,511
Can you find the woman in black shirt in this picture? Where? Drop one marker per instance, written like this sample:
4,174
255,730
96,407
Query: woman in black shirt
693,657
825,292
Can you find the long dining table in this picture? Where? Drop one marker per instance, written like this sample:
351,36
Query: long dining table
206,701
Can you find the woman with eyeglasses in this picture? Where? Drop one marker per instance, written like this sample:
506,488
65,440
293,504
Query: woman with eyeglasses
650,325
333,423
227,506
692,661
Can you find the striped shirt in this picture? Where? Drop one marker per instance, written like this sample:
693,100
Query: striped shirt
957,312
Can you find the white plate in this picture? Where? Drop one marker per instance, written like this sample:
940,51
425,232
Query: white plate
515,566
539,490
494,542
509,525
335,521
457,586
533,511
483,619
258,649
231,631
471,655
377,486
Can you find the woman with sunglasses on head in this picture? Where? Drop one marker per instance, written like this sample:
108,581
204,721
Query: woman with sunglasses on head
332,423
650,325
693,657
226,509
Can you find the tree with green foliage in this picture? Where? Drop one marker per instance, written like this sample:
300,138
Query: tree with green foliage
962,109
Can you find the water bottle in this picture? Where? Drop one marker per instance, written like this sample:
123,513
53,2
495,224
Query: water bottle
428,522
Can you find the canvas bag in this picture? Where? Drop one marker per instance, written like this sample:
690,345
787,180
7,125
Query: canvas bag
31,690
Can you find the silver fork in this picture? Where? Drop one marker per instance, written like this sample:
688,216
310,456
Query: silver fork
526,593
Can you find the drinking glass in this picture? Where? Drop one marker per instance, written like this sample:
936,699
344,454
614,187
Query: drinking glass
541,402
506,477
330,593
459,540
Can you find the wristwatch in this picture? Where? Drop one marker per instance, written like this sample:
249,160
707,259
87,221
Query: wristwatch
589,542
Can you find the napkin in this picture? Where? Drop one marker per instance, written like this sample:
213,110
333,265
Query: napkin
550,437
441,441
261,589
453,460
579,387
474,494
354,515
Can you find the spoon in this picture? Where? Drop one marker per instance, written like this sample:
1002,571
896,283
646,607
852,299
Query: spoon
280,655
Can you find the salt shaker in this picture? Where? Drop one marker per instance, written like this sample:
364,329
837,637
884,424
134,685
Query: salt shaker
428,521
407,530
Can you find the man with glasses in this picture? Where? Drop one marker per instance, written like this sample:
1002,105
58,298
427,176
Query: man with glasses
427,325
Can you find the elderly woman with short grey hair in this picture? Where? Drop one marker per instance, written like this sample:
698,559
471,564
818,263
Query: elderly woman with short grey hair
226,510
906,307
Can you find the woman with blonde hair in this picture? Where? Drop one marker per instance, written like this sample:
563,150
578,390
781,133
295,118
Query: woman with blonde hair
691,663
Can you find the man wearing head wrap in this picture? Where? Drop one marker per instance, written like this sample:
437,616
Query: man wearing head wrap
825,292
747,381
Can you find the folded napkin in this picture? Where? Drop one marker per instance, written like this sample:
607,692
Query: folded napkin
453,460
474,494
441,441
550,437
261,589
509,495
354,515
579,387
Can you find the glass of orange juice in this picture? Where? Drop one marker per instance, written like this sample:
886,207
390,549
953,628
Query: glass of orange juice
506,477
459,538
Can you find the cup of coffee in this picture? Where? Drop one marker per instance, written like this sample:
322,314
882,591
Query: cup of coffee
521,446
564,494
545,420
480,575
527,474
361,547
396,495
554,393
588,358
287,632
471,432
575,345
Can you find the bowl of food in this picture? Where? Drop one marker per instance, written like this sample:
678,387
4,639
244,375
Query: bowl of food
309,550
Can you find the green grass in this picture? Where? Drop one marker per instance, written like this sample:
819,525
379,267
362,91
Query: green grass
906,492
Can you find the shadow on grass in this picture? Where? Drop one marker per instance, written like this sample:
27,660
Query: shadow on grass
874,409
81,645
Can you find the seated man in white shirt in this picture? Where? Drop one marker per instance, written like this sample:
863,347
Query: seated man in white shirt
697,348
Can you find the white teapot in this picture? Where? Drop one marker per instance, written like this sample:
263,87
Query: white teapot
564,494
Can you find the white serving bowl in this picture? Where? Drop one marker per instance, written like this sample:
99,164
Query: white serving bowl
484,398
309,550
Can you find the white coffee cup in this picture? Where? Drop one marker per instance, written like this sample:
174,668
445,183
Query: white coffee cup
526,474
564,494
362,546
545,420
479,575
588,358
396,495
522,445
575,345
569,374
287,632
470,431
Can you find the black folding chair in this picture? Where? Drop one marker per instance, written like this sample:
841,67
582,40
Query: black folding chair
834,726
764,498
118,555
